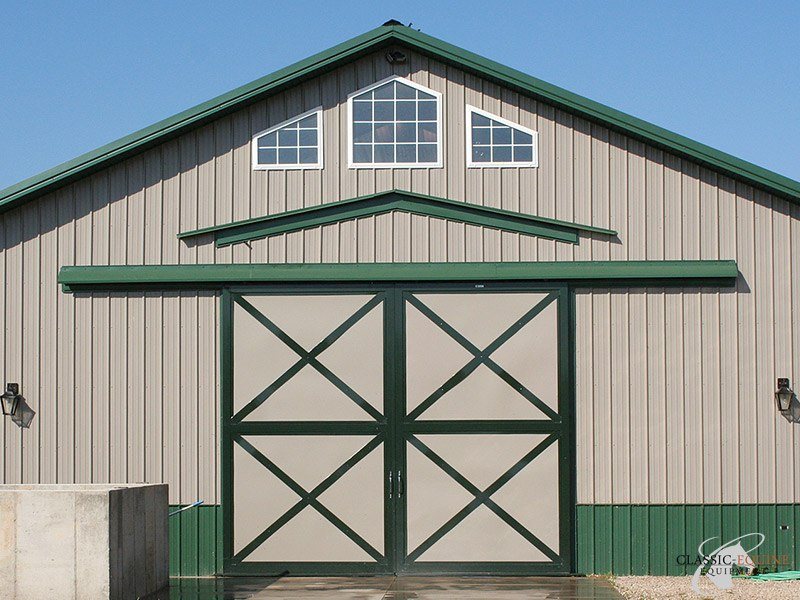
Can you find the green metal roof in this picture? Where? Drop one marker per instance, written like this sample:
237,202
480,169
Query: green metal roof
425,44
394,200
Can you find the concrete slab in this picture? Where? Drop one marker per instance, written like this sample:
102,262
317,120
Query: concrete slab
390,588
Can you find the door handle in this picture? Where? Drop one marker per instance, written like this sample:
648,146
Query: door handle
391,484
399,484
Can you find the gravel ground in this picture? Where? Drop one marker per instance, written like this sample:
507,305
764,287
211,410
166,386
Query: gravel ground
656,588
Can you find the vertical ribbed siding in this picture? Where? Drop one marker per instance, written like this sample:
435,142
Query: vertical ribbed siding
674,387
663,539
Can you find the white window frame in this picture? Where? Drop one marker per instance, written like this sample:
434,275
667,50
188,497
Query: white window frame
286,167
534,162
439,128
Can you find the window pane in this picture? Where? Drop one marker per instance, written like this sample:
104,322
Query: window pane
406,111
385,91
362,111
480,120
268,141
406,153
309,122
481,154
308,156
390,122
481,135
308,137
287,137
501,135
384,110
362,132
406,132
522,138
523,153
287,156
384,132
362,153
427,111
405,91
427,132
267,157
427,153
501,154
384,153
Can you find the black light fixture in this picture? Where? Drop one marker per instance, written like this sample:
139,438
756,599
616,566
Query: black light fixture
10,399
396,57
784,395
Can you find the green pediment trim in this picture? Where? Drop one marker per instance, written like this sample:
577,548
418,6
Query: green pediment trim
681,273
391,201
382,37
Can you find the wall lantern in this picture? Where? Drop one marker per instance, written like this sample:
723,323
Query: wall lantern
784,395
10,399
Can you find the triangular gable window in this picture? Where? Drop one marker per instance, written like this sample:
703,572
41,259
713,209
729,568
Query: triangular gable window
293,144
496,142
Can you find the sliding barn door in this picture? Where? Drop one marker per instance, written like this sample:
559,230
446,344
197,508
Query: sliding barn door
306,434
482,435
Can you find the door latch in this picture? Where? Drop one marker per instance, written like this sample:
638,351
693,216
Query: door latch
391,484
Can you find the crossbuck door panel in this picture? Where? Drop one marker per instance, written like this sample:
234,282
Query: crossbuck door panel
307,434
397,429
482,433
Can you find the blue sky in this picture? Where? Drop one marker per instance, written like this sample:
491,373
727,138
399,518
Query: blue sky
76,75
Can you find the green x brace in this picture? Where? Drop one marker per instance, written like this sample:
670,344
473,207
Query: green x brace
483,497
308,357
308,498
482,357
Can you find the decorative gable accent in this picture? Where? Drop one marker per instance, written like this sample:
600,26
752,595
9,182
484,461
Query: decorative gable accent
391,201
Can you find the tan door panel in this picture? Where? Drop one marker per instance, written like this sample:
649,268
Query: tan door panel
308,319
480,317
483,395
357,357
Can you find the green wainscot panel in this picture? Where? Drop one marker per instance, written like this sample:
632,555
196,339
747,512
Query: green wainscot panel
659,539
195,541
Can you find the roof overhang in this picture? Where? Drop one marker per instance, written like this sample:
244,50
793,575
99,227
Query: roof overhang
692,273
391,201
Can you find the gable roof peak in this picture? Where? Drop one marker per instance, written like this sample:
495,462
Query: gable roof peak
376,39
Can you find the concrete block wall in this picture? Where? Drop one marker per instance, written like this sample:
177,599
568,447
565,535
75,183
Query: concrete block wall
83,542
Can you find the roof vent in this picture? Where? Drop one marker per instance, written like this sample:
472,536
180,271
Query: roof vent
393,23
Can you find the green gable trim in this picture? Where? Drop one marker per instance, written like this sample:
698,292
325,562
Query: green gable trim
598,273
647,539
370,41
395,200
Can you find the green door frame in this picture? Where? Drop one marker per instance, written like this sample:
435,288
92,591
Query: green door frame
395,455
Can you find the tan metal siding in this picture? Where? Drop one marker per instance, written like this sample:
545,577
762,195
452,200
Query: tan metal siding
674,387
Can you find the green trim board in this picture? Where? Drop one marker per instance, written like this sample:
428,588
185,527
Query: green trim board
375,39
389,201
703,273
654,539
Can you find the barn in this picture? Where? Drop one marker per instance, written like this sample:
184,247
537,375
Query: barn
398,308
